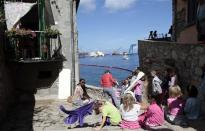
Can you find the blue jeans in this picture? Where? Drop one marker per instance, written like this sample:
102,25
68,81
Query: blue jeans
111,92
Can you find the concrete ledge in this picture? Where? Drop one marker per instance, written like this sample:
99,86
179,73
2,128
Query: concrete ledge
94,87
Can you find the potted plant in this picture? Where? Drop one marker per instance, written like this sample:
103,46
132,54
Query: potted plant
10,33
51,33
19,33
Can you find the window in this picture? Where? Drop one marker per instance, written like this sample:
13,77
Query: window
192,11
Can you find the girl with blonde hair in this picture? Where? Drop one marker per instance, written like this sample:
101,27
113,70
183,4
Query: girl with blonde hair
175,106
130,111
110,114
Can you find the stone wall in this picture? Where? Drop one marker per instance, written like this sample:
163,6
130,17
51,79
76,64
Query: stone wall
187,58
16,105
19,80
184,30
18,83
5,88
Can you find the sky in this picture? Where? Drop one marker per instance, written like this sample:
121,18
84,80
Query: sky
113,25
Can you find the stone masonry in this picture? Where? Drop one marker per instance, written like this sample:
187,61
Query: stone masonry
186,58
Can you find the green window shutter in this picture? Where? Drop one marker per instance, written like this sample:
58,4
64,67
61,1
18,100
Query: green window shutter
41,15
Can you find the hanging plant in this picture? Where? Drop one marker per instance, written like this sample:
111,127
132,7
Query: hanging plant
51,33
20,33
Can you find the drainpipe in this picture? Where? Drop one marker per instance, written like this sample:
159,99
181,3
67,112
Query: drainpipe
41,15
174,10
75,41
72,48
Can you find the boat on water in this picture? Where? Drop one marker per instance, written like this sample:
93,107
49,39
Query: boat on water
125,57
96,54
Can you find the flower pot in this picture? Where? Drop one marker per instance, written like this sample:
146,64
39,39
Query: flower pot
54,36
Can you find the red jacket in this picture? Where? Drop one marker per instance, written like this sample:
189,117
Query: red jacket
107,80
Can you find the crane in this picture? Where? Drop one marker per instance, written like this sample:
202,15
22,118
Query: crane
131,50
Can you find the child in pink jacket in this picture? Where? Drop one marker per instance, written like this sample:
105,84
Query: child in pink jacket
154,115
175,106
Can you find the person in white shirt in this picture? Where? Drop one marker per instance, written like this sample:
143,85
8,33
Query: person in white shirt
130,110
156,83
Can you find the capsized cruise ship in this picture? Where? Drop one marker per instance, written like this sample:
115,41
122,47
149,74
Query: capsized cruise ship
96,54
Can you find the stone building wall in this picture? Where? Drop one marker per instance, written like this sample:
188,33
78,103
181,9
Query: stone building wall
19,80
16,105
5,88
183,30
187,58
65,22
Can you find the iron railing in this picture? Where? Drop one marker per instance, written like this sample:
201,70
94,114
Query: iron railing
28,48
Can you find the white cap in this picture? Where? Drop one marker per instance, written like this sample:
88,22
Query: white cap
130,92
140,75
132,85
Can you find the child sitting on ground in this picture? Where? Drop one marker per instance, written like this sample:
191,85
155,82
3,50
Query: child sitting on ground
130,111
110,114
175,106
80,96
192,106
154,115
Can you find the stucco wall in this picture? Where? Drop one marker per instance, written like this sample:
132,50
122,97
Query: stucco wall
181,4
188,35
184,33
187,58
64,13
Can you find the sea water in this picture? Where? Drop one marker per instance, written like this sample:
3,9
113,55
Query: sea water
92,74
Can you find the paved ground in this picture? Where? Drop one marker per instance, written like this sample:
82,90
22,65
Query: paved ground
48,117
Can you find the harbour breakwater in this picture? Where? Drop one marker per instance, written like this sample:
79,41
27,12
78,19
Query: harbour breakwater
91,68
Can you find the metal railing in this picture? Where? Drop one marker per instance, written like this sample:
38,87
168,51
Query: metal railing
159,37
28,48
